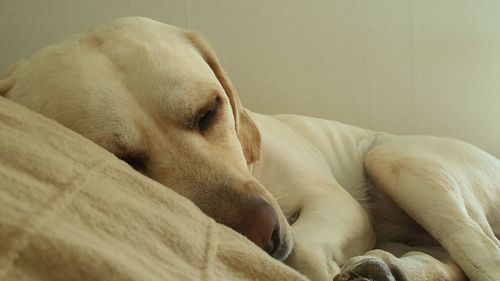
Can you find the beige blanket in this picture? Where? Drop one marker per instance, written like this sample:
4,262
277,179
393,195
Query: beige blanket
70,210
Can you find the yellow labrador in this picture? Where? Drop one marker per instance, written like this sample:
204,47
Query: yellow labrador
156,96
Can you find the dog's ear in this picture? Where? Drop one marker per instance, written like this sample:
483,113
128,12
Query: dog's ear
5,85
7,78
246,129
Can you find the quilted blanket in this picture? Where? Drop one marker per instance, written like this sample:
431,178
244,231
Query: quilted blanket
69,210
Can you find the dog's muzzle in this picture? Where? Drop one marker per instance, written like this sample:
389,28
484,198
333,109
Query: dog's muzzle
260,225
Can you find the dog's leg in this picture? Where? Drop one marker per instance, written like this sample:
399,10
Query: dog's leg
331,228
401,262
448,192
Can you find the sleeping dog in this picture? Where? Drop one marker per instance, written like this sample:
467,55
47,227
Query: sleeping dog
335,202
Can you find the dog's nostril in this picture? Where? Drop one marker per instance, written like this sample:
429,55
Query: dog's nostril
260,225
274,243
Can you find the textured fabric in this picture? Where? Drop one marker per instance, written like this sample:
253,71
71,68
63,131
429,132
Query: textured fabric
70,210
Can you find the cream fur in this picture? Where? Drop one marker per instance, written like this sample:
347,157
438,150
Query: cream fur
431,206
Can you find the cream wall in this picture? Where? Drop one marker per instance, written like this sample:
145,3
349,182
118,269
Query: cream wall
425,67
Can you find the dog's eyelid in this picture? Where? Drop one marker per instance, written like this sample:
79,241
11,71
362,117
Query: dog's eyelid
207,116
137,161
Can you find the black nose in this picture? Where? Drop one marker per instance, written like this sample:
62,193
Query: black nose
275,242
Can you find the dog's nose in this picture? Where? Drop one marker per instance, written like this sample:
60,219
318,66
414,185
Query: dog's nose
262,227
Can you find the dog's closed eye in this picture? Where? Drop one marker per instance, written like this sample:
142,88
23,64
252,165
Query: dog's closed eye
207,116
206,119
137,162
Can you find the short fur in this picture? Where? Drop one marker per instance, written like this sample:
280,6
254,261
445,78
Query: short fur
430,207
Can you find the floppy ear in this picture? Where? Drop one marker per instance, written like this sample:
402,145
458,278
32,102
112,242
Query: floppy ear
246,129
5,85
7,78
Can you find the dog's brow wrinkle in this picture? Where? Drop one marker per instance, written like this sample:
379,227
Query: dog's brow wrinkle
211,101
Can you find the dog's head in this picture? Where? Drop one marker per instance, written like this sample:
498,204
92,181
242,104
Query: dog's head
157,97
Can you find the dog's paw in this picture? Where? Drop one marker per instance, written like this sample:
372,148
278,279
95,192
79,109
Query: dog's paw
368,268
311,262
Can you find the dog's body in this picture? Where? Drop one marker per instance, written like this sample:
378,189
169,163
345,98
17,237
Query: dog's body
157,97
450,189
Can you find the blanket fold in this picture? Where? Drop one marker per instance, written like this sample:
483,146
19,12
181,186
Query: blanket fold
69,210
